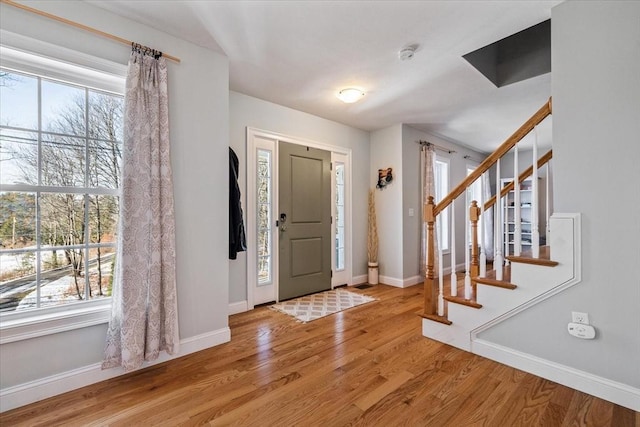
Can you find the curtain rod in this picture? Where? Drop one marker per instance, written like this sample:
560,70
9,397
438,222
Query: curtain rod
468,157
77,25
438,147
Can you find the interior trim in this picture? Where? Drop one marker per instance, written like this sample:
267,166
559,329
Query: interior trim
33,391
603,388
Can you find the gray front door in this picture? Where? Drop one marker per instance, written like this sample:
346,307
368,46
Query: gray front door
304,220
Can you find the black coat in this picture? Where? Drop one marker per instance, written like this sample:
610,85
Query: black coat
237,239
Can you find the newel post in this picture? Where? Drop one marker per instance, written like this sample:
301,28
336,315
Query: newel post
430,292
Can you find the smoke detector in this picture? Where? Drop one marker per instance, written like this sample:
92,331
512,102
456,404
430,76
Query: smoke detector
406,53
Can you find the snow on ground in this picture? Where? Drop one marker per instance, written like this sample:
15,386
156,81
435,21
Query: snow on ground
61,291
14,261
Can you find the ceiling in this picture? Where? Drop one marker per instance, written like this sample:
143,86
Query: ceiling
301,53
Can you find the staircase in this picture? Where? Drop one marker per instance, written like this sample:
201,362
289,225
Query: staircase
458,309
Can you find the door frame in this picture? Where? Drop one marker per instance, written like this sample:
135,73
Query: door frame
257,138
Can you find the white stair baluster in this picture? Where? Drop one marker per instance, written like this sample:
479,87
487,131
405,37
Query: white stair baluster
467,256
483,255
452,245
535,233
517,211
548,200
498,227
440,275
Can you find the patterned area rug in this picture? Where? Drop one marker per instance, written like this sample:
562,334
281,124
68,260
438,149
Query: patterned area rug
312,307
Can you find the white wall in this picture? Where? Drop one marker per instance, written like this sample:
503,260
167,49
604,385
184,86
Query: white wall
596,129
199,120
411,183
386,152
246,111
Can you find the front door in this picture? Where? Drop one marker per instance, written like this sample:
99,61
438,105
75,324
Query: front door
304,220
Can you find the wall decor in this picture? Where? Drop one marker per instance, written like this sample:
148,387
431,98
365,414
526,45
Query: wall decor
385,177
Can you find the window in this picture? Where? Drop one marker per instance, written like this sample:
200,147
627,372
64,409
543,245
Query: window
340,217
264,202
60,160
474,192
442,189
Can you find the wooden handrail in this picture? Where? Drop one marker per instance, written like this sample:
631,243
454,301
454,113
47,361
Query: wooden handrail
524,175
506,146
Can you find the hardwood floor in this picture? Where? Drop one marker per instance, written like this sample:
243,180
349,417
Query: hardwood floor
367,366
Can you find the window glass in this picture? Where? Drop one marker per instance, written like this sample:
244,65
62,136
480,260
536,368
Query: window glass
60,162
264,194
442,189
18,100
18,156
340,217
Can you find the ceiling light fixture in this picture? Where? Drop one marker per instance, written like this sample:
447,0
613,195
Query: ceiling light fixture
350,95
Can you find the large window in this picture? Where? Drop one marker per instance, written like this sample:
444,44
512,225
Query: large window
60,161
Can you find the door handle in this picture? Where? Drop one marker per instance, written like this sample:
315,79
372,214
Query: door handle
282,222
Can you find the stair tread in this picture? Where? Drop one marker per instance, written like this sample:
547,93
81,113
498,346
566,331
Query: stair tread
490,279
463,301
526,257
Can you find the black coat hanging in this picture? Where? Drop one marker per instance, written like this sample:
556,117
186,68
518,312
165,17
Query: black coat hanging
237,238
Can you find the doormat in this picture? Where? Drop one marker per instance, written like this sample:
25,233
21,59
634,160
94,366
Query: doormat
312,307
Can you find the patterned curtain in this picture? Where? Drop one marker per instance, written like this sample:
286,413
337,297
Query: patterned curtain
428,188
144,318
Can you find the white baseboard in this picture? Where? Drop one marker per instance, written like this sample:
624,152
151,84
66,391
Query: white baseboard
33,391
410,281
603,388
358,280
238,307
391,281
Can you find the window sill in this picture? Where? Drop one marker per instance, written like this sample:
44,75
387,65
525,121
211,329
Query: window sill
38,324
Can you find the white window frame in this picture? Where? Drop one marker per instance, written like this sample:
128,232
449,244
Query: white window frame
270,229
341,276
475,187
444,190
25,55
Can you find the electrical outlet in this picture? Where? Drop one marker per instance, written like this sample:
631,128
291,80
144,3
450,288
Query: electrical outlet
577,317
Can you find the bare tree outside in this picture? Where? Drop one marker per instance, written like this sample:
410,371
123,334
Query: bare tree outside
80,146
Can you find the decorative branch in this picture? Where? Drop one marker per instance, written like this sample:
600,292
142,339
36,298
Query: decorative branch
372,232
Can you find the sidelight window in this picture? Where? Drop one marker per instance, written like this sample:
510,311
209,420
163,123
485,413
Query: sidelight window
264,220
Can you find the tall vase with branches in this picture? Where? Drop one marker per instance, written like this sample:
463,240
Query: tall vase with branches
372,241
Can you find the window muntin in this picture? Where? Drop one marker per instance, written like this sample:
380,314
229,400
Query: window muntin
60,161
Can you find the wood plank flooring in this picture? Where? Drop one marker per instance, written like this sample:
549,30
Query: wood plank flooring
367,366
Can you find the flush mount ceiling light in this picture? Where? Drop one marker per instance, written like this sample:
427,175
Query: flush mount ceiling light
350,95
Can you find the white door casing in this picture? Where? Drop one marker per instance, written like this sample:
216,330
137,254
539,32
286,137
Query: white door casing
268,142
